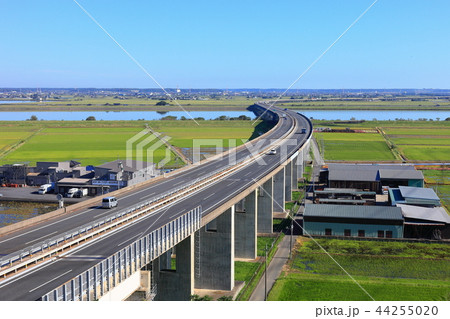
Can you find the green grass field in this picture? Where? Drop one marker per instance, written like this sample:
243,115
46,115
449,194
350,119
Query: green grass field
415,140
354,147
226,102
386,270
97,142
431,143
310,287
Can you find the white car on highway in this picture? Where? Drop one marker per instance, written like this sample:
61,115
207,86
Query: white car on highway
109,202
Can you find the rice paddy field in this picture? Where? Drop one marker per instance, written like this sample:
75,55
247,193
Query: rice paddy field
354,147
97,142
388,271
422,144
413,141
439,180
65,102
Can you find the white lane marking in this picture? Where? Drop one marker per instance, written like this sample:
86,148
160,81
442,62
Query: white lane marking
106,213
149,195
209,196
123,242
178,213
86,256
26,273
40,238
229,184
50,280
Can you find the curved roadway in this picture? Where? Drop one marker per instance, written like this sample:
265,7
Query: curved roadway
32,284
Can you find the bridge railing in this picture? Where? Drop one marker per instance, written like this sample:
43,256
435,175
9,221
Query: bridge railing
101,278
17,257
52,242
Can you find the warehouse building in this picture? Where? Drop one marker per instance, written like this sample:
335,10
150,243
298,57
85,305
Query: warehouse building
372,177
353,221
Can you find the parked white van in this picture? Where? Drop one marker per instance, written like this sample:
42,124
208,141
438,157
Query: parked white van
109,202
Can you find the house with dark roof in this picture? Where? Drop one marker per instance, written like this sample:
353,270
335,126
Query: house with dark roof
372,177
353,221
123,173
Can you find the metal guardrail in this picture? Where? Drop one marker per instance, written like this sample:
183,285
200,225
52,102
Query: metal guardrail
53,242
18,256
98,280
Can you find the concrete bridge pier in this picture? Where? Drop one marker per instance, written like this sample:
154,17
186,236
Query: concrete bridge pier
294,173
245,228
178,284
300,163
279,191
265,208
288,182
215,259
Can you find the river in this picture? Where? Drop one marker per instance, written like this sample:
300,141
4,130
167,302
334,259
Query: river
368,115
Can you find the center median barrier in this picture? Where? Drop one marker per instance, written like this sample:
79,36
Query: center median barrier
30,255
78,207
63,241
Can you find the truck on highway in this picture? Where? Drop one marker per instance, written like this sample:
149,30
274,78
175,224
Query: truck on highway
303,130
81,193
46,188
71,192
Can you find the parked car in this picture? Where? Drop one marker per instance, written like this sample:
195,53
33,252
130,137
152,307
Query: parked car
81,193
71,192
46,188
109,202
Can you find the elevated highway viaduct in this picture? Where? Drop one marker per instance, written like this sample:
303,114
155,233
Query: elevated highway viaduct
212,217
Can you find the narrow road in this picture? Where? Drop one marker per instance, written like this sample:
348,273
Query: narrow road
273,269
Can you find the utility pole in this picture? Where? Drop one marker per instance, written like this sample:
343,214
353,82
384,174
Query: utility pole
120,166
265,273
292,233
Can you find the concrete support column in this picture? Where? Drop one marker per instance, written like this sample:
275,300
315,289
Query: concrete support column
288,181
300,164
294,173
278,191
245,228
176,285
165,260
216,257
265,208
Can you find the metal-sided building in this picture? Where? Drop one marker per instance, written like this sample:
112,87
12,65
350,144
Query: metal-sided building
372,177
353,221
413,196
425,222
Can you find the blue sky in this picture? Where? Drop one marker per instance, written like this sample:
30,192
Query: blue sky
225,44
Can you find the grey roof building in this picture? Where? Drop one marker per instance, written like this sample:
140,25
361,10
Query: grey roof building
425,222
353,221
373,176
123,173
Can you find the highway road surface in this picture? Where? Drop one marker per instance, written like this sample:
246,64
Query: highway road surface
37,281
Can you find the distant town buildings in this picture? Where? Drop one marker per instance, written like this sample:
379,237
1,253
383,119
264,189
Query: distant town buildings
70,174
